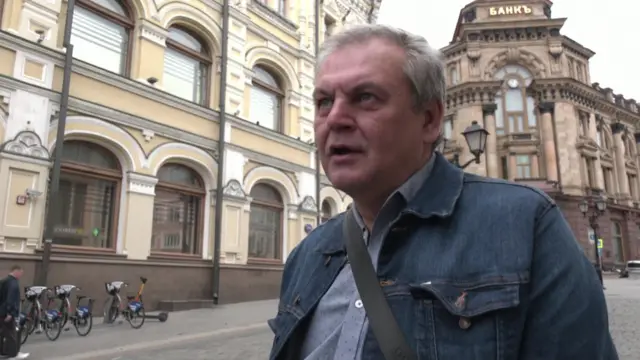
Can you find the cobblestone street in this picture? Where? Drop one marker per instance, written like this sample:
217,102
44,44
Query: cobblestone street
240,332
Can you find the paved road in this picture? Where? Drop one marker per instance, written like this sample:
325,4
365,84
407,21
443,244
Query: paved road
238,332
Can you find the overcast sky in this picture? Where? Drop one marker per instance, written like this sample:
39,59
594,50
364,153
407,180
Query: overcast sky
606,27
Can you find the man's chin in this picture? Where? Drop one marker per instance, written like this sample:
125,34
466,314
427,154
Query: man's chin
348,182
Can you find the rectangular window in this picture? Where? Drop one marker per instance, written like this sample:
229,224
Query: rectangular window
504,166
265,108
523,165
591,178
607,183
85,213
447,129
99,41
183,76
281,7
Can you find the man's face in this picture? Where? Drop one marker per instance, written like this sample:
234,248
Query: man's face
17,273
368,130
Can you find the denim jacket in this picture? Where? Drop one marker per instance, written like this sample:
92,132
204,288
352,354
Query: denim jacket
473,268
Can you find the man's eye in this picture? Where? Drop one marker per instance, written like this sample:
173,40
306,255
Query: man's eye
364,97
323,103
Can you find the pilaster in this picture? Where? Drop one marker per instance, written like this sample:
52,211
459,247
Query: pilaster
139,211
491,156
547,110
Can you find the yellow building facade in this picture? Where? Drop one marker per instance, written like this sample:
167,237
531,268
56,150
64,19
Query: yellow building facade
139,162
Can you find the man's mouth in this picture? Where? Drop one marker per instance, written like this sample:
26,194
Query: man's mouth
342,150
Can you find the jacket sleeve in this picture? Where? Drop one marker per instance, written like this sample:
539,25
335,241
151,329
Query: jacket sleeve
567,315
13,298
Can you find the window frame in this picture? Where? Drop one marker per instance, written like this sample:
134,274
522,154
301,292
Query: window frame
279,92
200,219
86,170
204,59
279,260
528,165
615,237
126,22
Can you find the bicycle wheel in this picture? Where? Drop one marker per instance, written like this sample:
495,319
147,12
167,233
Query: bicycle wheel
83,325
53,328
24,330
137,315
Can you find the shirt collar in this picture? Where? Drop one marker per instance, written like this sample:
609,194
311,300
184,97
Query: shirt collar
407,191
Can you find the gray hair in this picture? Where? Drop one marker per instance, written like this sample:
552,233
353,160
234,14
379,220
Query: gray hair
424,67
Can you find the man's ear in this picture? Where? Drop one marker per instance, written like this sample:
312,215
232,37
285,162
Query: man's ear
433,113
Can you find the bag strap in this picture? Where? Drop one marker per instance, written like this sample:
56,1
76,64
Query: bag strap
385,327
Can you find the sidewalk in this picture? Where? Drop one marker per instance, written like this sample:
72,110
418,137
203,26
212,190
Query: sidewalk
194,323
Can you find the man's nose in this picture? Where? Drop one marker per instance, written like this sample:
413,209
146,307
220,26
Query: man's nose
341,115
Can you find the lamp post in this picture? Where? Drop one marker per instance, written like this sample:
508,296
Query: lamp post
592,209
476,137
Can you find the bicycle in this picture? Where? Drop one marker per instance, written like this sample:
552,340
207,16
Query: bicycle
131,310
31,320
83,316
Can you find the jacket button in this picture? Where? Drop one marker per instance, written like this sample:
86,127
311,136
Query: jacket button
464,323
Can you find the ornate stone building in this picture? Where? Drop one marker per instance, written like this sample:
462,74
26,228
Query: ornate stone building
512,68
139,162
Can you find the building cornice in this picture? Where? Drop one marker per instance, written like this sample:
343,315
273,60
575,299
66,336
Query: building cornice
575,46
471,93
576,91
506,25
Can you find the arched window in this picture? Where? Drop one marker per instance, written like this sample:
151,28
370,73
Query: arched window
186,66
177,211
515,111
265,223
90,181
618,251
326,211
101,34
266,99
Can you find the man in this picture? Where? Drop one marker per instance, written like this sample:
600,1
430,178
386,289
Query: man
9,314
472,267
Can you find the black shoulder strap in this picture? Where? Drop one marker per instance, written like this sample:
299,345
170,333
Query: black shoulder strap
385,327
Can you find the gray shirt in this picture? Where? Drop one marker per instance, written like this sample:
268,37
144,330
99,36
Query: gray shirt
339,323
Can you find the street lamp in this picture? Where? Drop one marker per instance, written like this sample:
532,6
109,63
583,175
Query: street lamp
476,137
592,209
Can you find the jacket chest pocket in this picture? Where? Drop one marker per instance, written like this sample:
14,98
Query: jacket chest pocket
473,321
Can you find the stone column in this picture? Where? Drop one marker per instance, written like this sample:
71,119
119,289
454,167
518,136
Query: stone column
593,133
488,113
551,165
623,182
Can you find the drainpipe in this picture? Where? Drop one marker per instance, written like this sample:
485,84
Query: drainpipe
318,4
54,188
221,145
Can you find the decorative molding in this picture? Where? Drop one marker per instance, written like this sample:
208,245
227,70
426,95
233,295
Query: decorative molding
489,109
308,204
617,128
142,184
148,135
234,189
26,143
546,107
153,32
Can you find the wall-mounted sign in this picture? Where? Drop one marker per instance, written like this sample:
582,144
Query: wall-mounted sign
21,200
510,10
308,228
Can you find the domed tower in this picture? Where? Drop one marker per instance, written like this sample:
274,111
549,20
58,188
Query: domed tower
510,68
500,54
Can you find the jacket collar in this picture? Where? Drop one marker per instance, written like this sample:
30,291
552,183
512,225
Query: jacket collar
437,197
